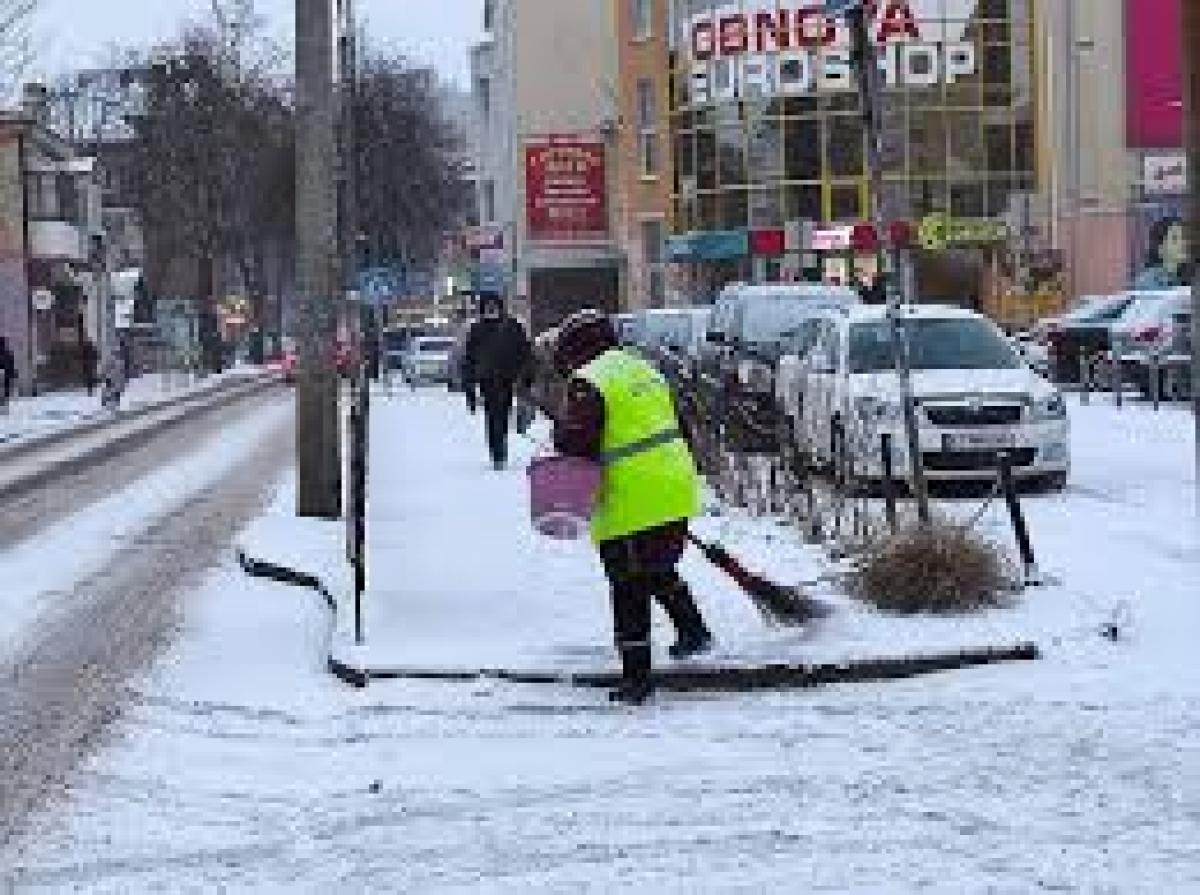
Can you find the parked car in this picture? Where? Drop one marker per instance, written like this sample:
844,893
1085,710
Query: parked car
770,321
975,398
1034,352
1174,351
1084,330
1147,328
428,360
626,326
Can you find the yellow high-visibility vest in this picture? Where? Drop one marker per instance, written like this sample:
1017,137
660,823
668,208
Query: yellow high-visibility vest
650,478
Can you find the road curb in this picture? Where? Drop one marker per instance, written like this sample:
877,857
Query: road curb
677,679
188,408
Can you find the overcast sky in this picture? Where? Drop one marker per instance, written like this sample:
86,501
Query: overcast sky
75,33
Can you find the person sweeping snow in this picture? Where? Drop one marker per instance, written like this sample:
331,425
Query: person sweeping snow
619,412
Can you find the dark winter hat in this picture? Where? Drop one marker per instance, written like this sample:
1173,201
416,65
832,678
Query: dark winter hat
490,301
582,338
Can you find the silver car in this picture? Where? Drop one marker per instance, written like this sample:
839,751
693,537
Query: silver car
428,360
1149,329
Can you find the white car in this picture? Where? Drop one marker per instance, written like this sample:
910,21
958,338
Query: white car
427,360
975,398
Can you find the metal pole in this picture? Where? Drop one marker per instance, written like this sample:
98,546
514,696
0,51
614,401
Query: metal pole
871,92
1191,56
318,443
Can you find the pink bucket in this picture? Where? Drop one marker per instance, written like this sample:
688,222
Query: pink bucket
562,495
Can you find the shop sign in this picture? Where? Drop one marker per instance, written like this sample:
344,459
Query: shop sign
565,189
795,48
941,231
1164,175
831,239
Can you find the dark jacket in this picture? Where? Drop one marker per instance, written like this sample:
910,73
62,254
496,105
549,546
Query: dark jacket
8,369
497,351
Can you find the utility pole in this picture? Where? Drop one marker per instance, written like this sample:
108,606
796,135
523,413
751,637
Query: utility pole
1191,69
318,447
870,86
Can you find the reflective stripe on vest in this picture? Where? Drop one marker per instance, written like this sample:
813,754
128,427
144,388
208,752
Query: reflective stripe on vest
650,478
640,447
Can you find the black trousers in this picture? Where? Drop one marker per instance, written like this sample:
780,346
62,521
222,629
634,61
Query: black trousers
641,569
497,411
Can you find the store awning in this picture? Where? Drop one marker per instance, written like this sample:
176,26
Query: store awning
711,245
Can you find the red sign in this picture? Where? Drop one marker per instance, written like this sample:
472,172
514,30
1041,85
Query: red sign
565,189
1154,73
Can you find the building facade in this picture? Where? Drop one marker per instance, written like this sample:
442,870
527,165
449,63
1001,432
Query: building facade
644,167
770,156
546,93
53,266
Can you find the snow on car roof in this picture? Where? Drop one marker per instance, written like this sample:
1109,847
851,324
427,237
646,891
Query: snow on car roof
923,312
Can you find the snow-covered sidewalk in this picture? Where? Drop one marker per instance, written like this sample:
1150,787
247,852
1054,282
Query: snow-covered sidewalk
458,581
244,766
59,411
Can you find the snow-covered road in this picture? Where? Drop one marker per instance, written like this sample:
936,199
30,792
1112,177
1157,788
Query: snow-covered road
89,601
243,766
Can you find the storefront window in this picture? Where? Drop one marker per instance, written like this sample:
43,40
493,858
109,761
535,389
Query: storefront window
802,203
731,156
778,136
735,213
846,143
706,160
844,202
802,149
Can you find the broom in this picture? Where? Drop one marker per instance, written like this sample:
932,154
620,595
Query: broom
775,602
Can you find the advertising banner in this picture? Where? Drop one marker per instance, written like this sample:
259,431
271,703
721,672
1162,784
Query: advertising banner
565,184
762,48
1154,74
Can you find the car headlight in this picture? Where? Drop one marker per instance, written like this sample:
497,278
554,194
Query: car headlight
877,410
1050,409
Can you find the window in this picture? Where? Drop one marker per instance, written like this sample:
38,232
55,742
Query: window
647,127
652,241
489,201
653,236
643,19
489,15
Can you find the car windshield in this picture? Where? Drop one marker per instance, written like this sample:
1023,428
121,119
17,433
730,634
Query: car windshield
434,346
771,321
1096,310
1148,309
965,343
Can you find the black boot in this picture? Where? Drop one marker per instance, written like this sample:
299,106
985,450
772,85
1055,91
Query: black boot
692,634
636,684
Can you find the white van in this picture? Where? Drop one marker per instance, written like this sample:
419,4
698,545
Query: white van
975,397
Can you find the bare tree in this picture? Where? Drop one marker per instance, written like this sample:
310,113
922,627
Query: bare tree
213,178
408,157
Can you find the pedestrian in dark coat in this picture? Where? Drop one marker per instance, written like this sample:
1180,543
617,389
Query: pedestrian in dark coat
497,361
648,530
8,372
89,365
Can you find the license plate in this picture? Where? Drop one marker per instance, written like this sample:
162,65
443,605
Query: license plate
979,441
